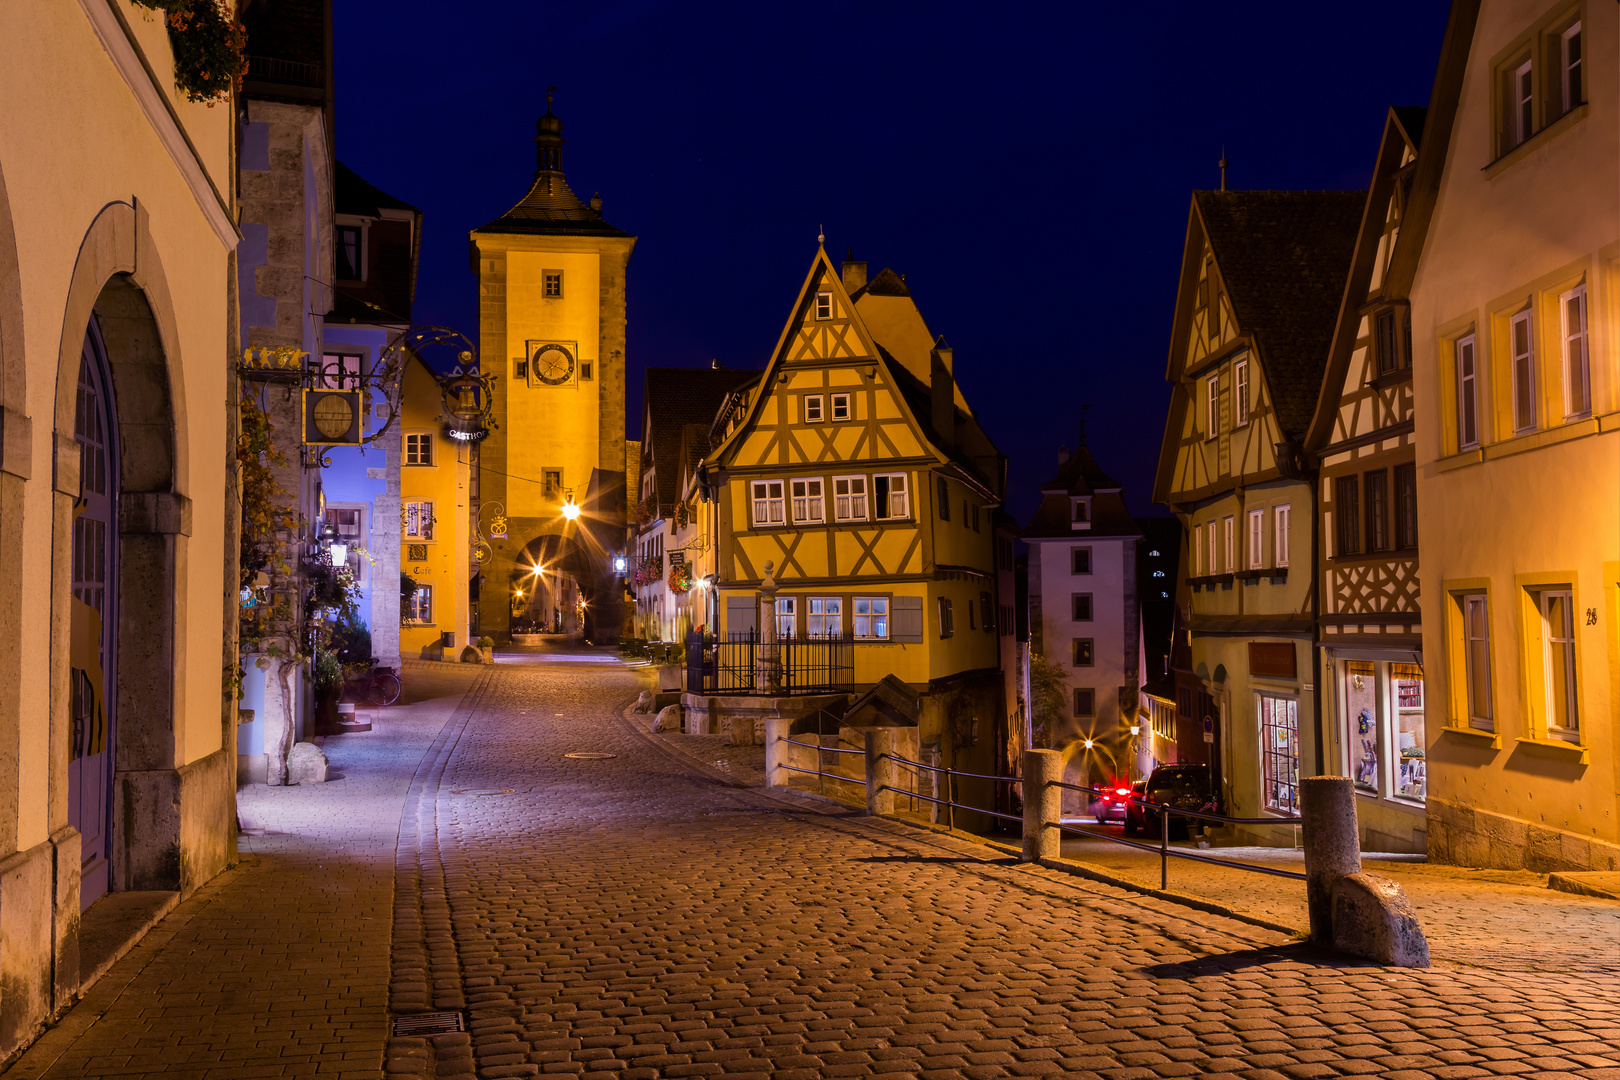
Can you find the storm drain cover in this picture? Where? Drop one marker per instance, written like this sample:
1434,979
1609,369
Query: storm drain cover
589,755
424,1024
481,791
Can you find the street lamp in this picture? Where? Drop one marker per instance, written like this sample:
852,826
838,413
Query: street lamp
330,538
570,508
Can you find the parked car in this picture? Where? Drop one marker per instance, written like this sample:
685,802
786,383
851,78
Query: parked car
1178,787
1109,808
1135,813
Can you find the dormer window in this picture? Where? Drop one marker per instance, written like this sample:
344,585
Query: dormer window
1080,512
840,406
812,408
823,305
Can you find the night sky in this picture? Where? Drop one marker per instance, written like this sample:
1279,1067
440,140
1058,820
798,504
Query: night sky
1027,168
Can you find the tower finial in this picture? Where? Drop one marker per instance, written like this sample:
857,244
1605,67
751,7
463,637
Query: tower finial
548,140
821,234
1223,164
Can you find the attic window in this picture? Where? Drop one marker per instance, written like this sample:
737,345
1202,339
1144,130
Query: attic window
812,408
823,305
1080,512
840,406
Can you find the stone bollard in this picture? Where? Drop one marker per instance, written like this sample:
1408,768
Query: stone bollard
1043,804
779,753
1332,846
882,774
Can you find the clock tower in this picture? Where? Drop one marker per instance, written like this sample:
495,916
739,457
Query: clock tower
551,281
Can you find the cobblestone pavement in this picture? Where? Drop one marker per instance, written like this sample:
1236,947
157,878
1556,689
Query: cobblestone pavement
627,917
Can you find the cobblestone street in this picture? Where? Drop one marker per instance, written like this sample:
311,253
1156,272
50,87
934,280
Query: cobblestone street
627,916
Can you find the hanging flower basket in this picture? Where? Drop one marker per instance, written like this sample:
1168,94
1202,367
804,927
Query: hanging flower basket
680,577
209,47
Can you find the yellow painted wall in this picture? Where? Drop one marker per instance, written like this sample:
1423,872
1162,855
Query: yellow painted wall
445,482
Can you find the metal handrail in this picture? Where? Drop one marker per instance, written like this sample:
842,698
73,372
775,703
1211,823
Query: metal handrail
946,769
823,749
944,802
818,772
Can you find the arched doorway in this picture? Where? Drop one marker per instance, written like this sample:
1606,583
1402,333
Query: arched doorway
93,649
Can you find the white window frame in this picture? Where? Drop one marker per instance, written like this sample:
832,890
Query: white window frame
1524,103
1240,392
767,504
851,505
1569,70
824,616
421,599
1279,532
1479,713
1212,407
414,459
842,403
1267,707
1565,637
1257,539
812,409
823,306
1214,549
1523,371
873,623
1229,535
1577,354
1198,551
899,497
809,500
412,526
1467,393
787,617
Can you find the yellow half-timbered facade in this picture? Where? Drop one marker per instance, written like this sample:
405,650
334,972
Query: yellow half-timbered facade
1261,280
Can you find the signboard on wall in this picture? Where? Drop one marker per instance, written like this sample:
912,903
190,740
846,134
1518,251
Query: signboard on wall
1272,660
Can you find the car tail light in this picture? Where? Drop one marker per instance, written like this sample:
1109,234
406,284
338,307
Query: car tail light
1122,791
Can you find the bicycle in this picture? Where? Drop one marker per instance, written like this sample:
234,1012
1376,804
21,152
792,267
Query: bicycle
378,685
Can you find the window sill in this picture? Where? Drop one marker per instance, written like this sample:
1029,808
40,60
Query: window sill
1535,440
1276,574
1557,749
1472,456
1534,142
1491,739
1211,581
1391,378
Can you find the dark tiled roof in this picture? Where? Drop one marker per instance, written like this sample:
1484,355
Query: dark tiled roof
970,448
887,283
1284,257
676,398
552,208
352,194
1081,475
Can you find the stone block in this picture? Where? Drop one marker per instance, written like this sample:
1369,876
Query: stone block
643,702
306,764
1373,919
669,719
470,655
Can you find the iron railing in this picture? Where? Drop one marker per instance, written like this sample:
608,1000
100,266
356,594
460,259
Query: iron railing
820,769
810,665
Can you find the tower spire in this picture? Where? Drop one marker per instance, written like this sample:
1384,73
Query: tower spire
1223,164
548,140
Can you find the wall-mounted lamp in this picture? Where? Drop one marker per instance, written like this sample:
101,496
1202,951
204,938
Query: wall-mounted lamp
570,508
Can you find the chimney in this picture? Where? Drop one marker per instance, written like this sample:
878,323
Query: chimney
854,273
942,385
1063,455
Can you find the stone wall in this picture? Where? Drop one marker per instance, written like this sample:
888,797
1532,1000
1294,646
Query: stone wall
1467,836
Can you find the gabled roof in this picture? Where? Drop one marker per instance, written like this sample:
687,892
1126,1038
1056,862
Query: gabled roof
675,399
1080,475
1284,257
551,208
353,194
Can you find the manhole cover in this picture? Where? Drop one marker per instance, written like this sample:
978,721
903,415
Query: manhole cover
423,1024
589,755
481,791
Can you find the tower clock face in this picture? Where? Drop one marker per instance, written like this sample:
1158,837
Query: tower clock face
553,365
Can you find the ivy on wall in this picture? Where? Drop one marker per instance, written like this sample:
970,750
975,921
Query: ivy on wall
209,47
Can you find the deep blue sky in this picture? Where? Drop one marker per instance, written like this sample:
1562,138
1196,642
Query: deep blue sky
1028,168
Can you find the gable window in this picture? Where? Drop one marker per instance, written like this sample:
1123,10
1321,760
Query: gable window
1081,604
1477,659
812,408
944,500
1406,506
1577,376
768,509
1377,488
1080,560
1555,607
1569,67
823,305
1347,504
551,284
1240,392
808,505
1085,652
849,498
1257,538
872,618
1524,373
350,264
1467,395
1085,702
889,496
1228,531
947,618
826,617
787,617
1385,342
1279,546
840,406
1212,406
419,448
419,608
1080,513
418,515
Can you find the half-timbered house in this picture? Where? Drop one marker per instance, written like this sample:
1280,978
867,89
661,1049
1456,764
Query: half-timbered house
1261,279
855,474
1363,443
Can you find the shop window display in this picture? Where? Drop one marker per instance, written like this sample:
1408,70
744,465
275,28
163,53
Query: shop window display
1383,728
1361,708
1411,780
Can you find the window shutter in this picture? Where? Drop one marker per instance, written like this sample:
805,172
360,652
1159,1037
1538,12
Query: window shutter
742,614
908,619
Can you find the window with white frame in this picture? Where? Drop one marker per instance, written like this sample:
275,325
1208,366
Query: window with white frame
1228,535
1279,752
808,504
812,408
823,305
1569,66
1467,395
849,498
1556,608
1521,90
871,618
1213,549
889,496
768,508
1257,538
787,617
1524,372
840,406
1279,547
1212,406
419,608
419,520
1240,392
419,448
825,617
1577,374
1476,633
1198,551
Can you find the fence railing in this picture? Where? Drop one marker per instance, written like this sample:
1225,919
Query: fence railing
810,665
